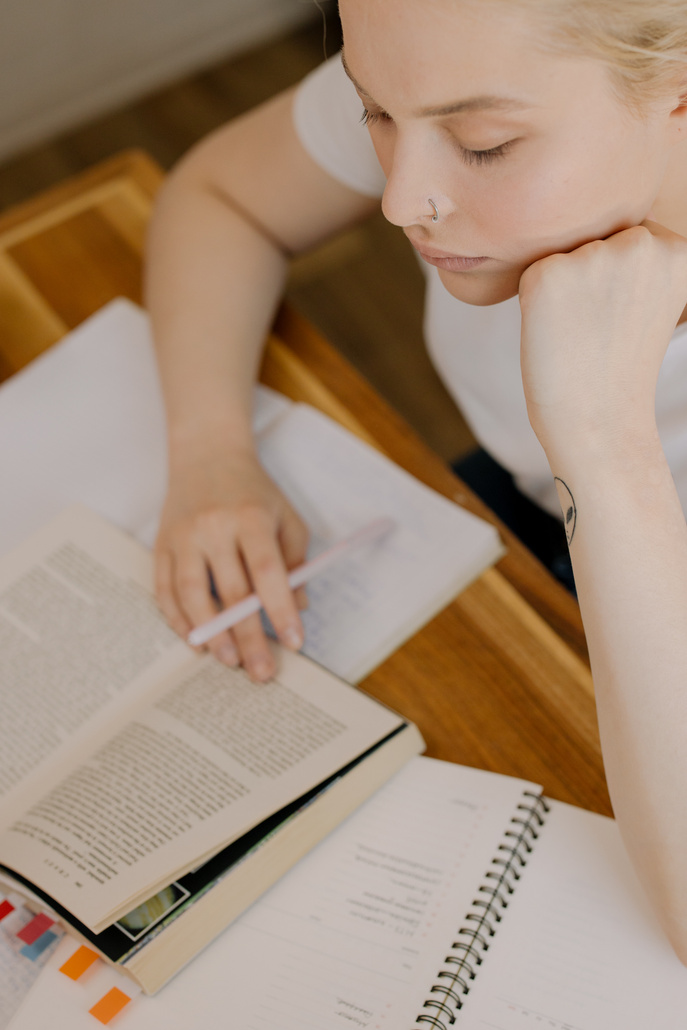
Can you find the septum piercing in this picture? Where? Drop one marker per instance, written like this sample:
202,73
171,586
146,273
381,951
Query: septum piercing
435,216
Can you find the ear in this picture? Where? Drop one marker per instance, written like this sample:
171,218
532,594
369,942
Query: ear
677,120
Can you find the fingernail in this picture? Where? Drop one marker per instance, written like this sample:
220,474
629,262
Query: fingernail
227,653
261,670
293,638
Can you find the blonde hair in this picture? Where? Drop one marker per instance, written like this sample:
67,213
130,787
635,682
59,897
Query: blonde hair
643,42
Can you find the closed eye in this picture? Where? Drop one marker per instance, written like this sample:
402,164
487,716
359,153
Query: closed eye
470,157
483,157
371,117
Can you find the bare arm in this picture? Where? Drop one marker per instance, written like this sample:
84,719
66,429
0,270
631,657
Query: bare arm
227,220
596,324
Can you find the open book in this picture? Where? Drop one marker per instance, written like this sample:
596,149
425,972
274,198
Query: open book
86,423
137,775
452,898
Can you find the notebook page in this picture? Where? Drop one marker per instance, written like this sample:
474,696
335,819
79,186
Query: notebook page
368,604
356,927
579,947
20,964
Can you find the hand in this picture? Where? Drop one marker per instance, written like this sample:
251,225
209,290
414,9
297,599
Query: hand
595,327
225,516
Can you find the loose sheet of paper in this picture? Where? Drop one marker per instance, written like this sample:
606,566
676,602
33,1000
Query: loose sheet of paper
87,425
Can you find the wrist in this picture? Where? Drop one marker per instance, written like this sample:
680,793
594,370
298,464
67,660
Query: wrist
625,442
593,465
203,438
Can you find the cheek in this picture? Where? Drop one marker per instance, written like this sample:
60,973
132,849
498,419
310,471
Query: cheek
540,197
544,208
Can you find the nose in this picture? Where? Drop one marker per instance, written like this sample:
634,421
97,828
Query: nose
412,180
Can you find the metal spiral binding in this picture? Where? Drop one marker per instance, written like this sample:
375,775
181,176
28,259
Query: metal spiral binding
486,912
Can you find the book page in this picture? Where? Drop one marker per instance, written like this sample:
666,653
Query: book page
355,927
366,605
579,947
213,756
81,639
208,754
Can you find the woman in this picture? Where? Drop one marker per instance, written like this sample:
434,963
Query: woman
533,151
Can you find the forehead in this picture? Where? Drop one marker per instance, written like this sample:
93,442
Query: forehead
411,54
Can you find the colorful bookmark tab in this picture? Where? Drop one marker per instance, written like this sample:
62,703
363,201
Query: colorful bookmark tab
82,959
5,908
35,929
109,1005
35,950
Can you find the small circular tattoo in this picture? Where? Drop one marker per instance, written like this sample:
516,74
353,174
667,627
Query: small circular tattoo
568,506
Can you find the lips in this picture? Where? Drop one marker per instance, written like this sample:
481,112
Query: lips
447,261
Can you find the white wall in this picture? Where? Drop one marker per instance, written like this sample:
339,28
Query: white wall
65,61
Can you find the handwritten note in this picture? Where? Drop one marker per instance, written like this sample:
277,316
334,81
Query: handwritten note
364,606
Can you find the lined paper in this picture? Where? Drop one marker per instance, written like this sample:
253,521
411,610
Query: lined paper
21,962
580,947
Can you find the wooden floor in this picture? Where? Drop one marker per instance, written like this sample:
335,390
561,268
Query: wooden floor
363,290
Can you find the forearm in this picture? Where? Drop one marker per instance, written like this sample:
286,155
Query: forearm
239,203
629,554
213,284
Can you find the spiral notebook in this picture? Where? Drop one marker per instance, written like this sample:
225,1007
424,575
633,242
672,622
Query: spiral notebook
452,898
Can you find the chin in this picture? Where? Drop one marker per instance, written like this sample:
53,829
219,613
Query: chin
481,288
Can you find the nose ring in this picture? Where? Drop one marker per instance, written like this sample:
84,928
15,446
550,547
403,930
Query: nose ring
435,216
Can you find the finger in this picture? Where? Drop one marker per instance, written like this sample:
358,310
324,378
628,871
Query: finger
191,583
165,594
254,649
293,539
249,637
265,565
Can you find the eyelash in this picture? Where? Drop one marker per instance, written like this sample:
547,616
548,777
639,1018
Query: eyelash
370,117
471,157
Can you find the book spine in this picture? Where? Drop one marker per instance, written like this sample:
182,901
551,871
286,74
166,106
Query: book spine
467,952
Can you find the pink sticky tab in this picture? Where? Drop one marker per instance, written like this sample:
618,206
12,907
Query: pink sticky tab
35,929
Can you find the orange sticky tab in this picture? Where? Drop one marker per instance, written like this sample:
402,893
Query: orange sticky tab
109,1005
82,959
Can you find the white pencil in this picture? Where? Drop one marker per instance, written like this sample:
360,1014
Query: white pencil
297,577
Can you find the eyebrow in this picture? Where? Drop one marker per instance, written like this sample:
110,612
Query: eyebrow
479,103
